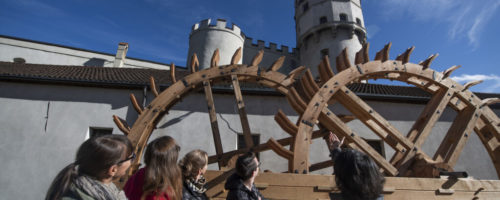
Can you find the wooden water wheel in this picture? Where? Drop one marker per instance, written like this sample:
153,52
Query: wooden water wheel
233,73
473,114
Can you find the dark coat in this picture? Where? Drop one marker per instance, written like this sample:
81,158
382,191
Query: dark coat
238,191
189,194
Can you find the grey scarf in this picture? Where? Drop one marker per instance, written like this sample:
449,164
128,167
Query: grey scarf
99,190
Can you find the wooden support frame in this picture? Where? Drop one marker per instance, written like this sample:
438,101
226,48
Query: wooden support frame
445,92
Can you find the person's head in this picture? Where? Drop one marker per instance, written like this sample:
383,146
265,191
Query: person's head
162,172
247,166
194,164
357,176
103,158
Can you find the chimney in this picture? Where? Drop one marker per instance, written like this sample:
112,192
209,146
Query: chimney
121,53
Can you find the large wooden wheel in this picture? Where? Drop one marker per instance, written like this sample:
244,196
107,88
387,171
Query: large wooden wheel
149,116
473,114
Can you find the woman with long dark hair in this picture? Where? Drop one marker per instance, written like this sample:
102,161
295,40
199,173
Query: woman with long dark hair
161,179
193,166
99,161
357,176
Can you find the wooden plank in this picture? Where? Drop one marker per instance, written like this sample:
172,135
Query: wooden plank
310,186
213,120
241,110
424,123
279,149
457,136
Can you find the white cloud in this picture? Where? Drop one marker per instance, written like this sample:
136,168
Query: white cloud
491,83
465,18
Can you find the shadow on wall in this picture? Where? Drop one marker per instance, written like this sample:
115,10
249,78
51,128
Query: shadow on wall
95,62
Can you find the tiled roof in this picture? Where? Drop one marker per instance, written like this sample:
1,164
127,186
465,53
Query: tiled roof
84,75
137,77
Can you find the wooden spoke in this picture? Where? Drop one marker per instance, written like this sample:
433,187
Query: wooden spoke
214,62
427,62
194,63
362,55
325,71
285,123
294,73
213,120
153,86
247,134
448,72
405,57
280,150
121,124
236,57
277,64
470,84
172,73
136,105
296,101
258,58
342,61
383,55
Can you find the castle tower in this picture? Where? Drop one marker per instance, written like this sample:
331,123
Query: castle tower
205,38
326,27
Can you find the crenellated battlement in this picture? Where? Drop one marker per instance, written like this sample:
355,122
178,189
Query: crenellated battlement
273,47
219,24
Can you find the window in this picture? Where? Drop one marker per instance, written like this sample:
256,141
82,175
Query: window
19,60
96,132
324,52
322,20
305,7
358,21
343,17
242,144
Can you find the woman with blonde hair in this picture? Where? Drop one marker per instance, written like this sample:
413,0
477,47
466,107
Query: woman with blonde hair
161,179
193,166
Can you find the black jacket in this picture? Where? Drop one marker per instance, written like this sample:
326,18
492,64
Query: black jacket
189,194
238,191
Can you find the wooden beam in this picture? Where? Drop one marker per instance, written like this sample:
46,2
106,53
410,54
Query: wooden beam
260,147
424,123
213,120
372,119
241,110
457,136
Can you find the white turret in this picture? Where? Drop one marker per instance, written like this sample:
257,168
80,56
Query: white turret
205,38
326,27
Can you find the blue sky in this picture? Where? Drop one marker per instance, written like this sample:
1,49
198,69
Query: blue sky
463,32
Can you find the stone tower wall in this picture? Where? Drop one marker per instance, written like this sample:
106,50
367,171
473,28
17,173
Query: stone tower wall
271,54
205,38
322,30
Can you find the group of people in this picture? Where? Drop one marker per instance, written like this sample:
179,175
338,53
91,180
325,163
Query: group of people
102,160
